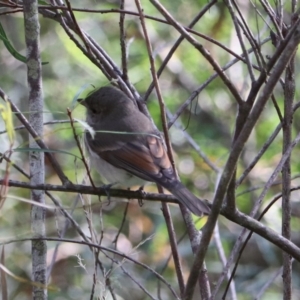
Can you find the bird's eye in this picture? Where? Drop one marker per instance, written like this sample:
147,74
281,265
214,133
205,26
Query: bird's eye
93,110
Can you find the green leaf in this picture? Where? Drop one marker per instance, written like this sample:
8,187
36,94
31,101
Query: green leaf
6,114
11,49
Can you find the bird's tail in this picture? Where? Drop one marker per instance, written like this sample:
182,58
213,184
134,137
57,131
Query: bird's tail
185,197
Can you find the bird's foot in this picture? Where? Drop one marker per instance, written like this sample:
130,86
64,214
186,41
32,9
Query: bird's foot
143,193
107,188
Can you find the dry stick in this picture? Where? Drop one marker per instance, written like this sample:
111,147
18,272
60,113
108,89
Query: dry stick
101,248
94,52
263,231
89,190
277,108
120,264
113,10
255,46
259,154
176,45
275,173
111,67
124,88
244,109
270,12
203,86
80,148
137,283
65,213
222,257
279,11
173,244
76,26
36,158
289,94
56,202
93,58
268,283
200,48
235,153
104,273
196,147
271,63
46,10
240,38
279,167
166,210
45,123
242,248
265,147
258,187
37,139
87,214
123,43
214,64
238,218
11,12
115,240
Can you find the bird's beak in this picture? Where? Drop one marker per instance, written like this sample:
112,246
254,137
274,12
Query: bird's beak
81,101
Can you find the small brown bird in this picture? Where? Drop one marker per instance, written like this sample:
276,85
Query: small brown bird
126,148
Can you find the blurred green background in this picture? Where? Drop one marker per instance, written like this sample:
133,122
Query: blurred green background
209,120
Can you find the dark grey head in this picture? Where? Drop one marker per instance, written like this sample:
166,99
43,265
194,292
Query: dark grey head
105,98
104,102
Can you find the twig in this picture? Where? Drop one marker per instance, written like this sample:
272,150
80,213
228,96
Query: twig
102,248
222,257
174,248
268,283
76,26
237,217
166,211
36,159
200,48
243,246
177,43
195,146
240,38
115,240
37,139
80,148
202,87
123,43
45,123
289,94
234,155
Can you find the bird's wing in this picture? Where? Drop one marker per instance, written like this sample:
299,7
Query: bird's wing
145,158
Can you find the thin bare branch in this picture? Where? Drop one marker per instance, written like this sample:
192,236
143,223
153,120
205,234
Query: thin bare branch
201,49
